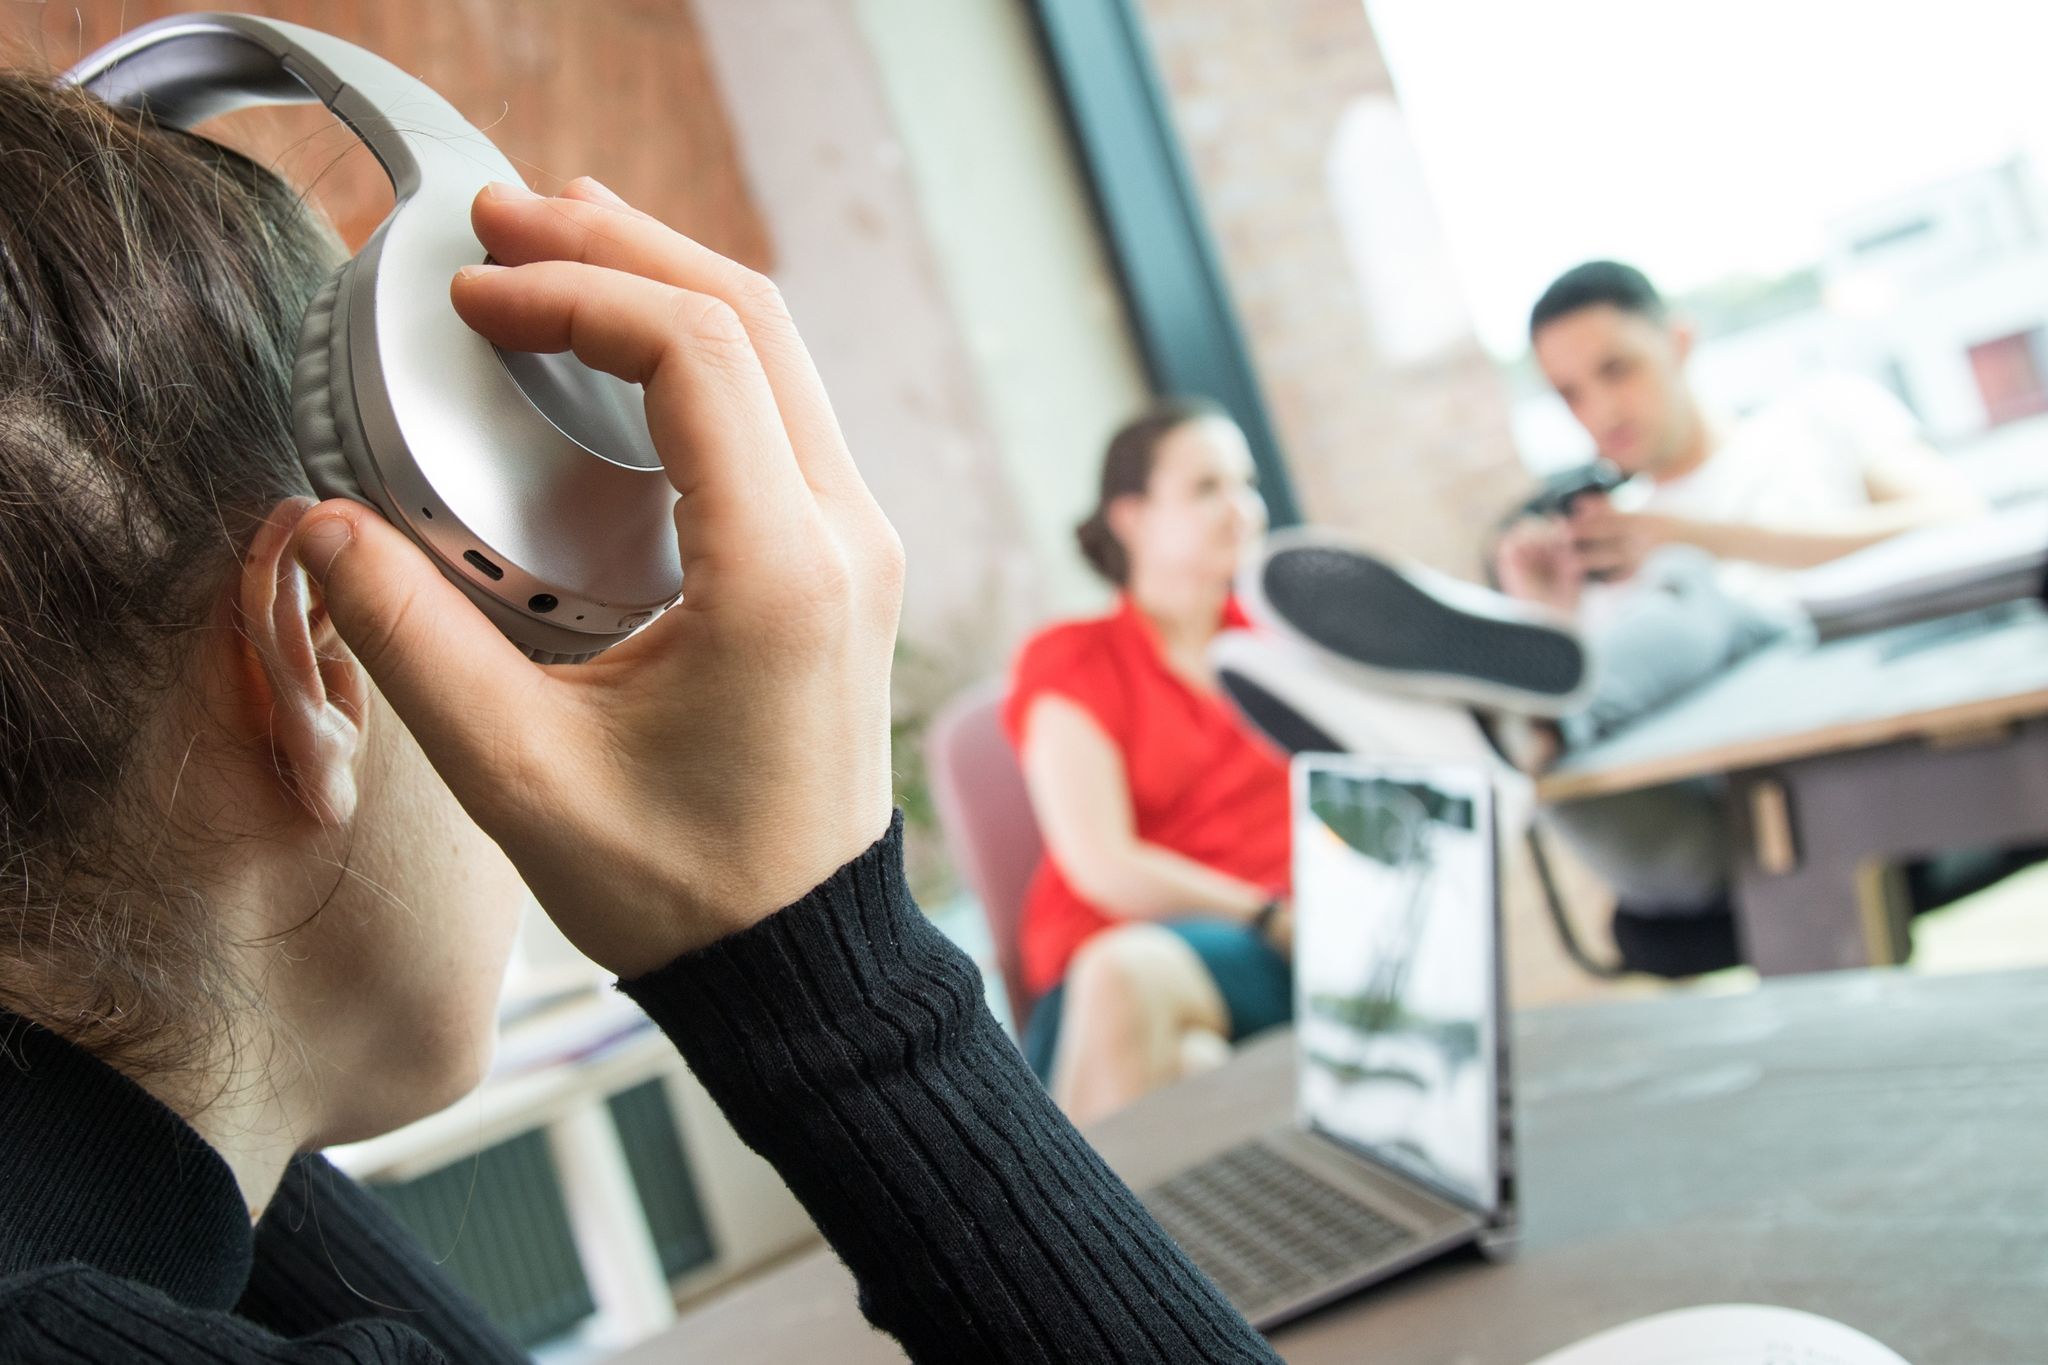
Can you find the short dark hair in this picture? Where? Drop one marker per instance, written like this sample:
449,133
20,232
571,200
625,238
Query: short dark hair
1594,283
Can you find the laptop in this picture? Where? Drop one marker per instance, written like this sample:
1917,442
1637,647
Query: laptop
1401,1145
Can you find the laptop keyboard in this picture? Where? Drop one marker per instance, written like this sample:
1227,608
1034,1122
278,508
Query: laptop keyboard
1267,1231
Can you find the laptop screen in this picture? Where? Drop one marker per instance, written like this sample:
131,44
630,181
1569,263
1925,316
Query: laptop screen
1396,975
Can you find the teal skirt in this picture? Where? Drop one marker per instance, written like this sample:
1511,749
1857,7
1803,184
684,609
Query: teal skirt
1255,980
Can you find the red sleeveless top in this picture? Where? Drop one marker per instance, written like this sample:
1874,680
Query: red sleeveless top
1203,783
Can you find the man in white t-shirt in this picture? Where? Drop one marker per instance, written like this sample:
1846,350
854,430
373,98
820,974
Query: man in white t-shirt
1687,567
1831,467
1672,579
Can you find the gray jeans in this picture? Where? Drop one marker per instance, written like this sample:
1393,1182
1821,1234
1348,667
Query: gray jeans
1664,850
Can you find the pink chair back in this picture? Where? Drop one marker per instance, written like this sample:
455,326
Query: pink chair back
986,819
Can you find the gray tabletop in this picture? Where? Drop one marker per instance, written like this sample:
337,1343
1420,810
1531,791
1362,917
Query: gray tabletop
1983,668
1871,1146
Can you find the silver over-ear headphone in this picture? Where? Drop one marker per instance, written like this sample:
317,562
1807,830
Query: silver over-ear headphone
529,479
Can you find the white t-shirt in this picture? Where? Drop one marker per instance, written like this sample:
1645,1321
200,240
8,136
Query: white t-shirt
1804,457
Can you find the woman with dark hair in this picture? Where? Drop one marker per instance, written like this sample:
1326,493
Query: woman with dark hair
269,785
1157,926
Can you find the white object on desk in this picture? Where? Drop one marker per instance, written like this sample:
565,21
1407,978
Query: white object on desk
1728,1334
1935,571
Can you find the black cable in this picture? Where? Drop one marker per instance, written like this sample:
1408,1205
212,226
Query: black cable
1606,971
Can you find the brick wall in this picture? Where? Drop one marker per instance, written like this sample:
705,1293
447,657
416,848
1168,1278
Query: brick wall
1416,456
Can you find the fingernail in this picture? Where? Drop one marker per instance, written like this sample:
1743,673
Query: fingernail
508,189
320,539
602,190
472,272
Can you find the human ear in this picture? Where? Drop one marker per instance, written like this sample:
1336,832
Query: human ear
311,696
1682,335
1122,515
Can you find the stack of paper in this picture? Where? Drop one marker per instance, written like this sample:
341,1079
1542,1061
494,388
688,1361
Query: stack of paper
1920,575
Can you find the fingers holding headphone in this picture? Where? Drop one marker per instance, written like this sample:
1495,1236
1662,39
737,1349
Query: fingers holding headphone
591,190
589,224
746,734
709,405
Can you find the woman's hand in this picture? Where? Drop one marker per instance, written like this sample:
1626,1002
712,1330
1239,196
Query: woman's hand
1279,928
734,754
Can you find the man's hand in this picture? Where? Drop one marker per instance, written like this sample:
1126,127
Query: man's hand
1612,545
1536,561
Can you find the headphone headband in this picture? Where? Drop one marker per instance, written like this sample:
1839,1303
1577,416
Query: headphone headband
185,70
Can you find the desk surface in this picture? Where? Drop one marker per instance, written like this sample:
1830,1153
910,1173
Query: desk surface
1978,670
1865,1145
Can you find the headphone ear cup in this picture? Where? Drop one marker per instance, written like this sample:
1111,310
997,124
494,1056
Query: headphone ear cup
331,446
337,458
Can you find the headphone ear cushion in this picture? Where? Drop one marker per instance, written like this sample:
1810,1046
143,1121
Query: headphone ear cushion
337,458
331,445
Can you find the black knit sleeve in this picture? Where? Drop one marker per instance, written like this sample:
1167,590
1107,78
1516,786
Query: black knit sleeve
848,1042
328,1253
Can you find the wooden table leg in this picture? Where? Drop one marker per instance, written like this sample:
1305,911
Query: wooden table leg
1814,837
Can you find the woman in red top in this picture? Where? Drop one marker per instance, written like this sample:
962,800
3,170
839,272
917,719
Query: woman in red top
1157,924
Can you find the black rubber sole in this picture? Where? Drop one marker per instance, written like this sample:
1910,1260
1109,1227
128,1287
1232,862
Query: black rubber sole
1372,614
1274,718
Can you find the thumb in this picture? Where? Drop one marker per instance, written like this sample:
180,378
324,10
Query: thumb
445,669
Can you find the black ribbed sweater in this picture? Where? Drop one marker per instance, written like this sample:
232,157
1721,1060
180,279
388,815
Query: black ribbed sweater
844,1037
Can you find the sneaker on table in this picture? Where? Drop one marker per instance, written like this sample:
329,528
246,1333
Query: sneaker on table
1399,627
1287,692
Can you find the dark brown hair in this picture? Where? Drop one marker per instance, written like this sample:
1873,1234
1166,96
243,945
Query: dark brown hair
1126,469
154,283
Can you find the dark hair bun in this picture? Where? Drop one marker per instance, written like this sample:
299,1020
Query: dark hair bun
1103,551
1127,469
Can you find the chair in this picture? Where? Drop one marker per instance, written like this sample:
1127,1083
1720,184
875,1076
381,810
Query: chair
986,819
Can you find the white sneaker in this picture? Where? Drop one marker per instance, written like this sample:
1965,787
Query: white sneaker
1288,694
1396,627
